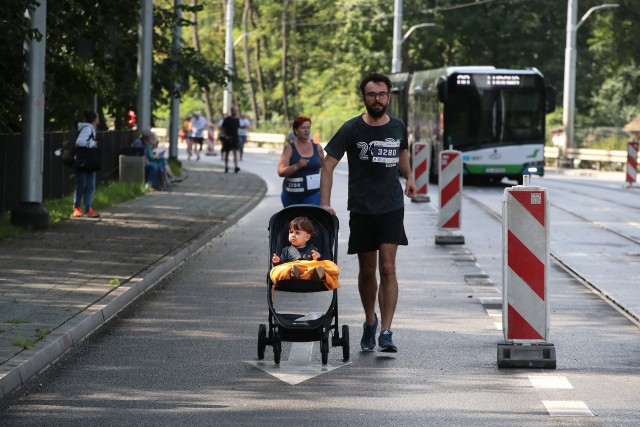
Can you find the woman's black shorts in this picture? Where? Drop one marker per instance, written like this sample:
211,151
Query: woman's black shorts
368,232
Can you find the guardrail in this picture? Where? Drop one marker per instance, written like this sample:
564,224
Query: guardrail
257,138
551,154
598,157
260,139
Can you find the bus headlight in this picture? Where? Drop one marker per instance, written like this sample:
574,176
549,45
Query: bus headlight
533,168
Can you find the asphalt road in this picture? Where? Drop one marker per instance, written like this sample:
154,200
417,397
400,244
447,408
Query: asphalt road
186,353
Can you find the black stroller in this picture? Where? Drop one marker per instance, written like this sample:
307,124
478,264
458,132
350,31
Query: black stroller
289,326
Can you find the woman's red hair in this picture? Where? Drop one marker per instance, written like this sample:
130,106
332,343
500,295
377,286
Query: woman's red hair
299,121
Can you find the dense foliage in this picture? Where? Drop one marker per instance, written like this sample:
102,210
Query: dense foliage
297,57
92,54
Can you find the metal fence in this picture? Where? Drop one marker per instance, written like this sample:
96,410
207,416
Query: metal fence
57,178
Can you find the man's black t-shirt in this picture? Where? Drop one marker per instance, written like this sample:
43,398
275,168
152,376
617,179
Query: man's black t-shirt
373,153
231,125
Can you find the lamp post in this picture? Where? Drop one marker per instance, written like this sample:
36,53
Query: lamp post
396,65
396,61
228,58
568,101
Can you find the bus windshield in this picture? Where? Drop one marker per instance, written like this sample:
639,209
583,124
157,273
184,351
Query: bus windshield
494,116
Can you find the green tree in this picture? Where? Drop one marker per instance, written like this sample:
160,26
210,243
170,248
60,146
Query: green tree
330,44
92,51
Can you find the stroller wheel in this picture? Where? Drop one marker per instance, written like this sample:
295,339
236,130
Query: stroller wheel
345,342
277,349
324,350
262,340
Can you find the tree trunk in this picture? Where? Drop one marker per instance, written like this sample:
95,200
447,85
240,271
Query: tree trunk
262,112
206,98
285,105
247,72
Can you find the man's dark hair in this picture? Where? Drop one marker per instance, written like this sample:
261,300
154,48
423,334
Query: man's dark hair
376,78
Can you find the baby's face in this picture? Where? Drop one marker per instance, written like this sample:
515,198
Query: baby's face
298,238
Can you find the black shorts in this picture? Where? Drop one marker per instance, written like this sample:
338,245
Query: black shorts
229,144
368,232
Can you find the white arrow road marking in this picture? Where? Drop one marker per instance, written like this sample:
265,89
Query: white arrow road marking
301,352
299,367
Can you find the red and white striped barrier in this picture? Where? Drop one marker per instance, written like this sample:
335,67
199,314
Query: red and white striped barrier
211,146
450,183
421,162
525,265
632,163
450,200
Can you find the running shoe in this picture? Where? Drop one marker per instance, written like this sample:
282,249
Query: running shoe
77,213
368,341
92,214
385,342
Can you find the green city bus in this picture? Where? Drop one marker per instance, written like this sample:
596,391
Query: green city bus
495,117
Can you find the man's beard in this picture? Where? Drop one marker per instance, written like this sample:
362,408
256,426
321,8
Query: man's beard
376,113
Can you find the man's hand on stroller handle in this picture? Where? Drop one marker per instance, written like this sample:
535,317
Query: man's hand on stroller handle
328,208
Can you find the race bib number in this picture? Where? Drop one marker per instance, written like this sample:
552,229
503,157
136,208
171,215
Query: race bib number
313,181
387,152
294,185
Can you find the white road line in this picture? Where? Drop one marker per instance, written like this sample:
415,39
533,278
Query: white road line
567,408
550,381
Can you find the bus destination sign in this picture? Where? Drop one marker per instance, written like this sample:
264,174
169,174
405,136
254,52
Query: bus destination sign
493,80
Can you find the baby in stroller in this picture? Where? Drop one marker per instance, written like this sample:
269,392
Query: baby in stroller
301,260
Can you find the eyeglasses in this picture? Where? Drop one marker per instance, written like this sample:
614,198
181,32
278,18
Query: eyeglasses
373,95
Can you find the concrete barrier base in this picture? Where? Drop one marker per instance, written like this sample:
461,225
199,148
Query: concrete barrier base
421,199
537,355
447,237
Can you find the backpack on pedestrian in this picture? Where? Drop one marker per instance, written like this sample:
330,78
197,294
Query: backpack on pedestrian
68,151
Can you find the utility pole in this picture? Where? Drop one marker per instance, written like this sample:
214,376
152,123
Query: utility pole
145,49
174,121
396,62
228,59
568,99
30,212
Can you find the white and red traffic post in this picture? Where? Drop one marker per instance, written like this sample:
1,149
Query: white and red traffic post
525,266
421,163
211,146
632,163
450,200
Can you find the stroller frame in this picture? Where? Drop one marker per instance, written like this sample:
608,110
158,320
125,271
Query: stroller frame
284,326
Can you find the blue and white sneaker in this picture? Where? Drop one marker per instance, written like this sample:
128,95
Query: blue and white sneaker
385,342
368,341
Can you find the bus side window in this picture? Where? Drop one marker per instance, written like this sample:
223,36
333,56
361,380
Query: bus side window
442,91
550,93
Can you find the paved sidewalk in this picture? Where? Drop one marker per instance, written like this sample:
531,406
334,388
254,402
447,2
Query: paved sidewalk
57,286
